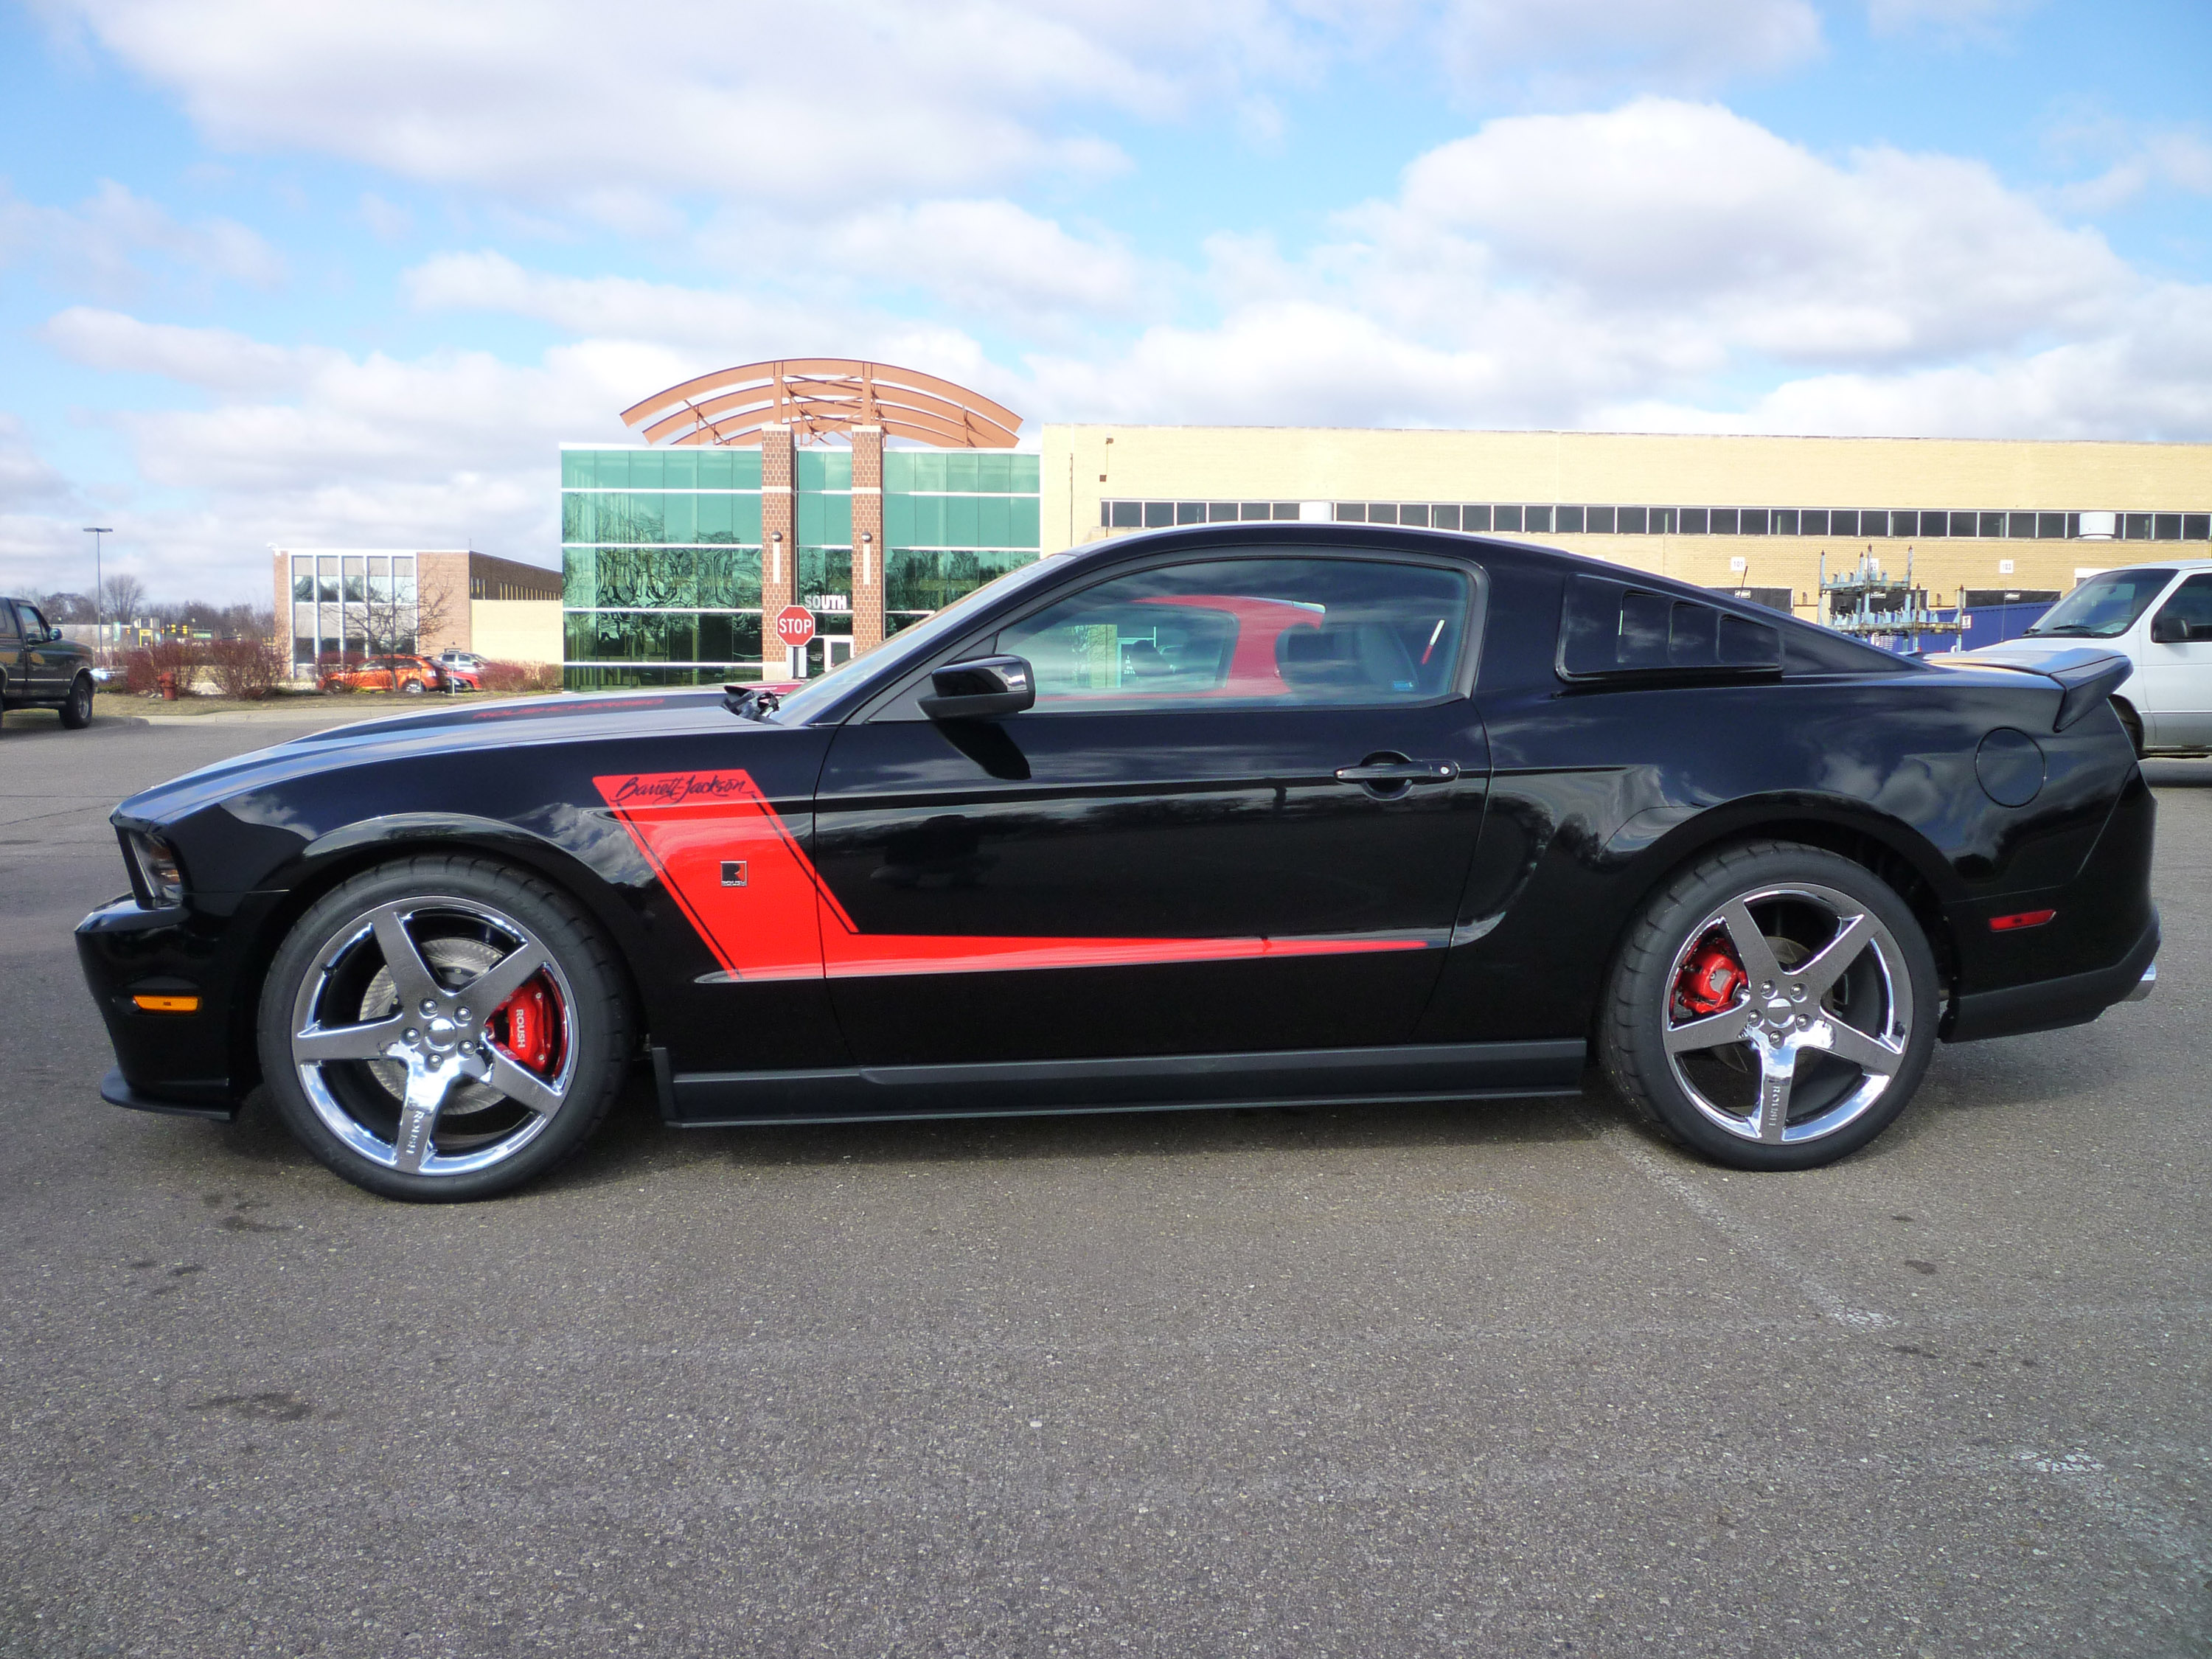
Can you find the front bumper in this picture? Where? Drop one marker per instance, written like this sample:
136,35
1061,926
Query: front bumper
166,1062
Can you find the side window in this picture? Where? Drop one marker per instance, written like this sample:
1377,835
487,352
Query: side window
34,624
1250,632
8,622
2188,615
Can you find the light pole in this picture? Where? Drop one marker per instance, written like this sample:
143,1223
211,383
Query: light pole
99,600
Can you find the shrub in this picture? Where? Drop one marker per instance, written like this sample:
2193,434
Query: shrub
248,669
512,677
142,669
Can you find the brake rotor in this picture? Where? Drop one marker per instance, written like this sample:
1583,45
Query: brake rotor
455,962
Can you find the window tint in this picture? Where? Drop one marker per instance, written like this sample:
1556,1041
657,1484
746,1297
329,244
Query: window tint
1250,632
2191,607
2104,606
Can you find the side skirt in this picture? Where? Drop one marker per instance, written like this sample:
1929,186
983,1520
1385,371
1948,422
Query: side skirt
1316,1077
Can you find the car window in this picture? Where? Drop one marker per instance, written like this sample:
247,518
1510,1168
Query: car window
2191,607
8,622
2104,607
1262,631
34,621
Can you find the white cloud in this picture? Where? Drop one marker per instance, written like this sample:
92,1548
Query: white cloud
1673,265
2177,160
693,328
1667,210
598,110
1566,48
598,106
386,221
101,245
987,256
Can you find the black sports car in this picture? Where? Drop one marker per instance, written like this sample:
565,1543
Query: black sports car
1263,813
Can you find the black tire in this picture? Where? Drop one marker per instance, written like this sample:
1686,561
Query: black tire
2130,723
448,907
411,688
77,707
1829,1106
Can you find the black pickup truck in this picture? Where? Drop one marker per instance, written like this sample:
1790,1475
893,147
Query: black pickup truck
39,669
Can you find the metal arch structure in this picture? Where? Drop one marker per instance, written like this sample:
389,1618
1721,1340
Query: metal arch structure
815,397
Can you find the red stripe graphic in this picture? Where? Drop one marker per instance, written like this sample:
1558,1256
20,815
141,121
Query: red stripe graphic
785,923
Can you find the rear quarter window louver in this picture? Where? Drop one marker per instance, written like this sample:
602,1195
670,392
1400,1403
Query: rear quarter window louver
1611,629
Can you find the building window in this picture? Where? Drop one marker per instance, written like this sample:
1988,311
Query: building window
2166,526
2196,526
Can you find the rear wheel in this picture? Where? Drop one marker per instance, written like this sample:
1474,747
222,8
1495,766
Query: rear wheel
77,707
443,1028
1774,1007
412,688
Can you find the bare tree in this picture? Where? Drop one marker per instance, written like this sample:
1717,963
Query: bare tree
400,615
125,596
64,607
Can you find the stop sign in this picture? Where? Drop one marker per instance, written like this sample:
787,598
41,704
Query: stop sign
794,624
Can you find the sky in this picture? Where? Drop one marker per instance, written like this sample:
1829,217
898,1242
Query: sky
315,275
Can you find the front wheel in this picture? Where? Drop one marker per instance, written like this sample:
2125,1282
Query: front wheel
77,707
412,689
443,1028
1774,1007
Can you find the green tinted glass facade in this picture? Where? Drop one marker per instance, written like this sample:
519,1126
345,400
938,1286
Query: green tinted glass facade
661,550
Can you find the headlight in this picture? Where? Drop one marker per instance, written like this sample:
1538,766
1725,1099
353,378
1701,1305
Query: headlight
161,877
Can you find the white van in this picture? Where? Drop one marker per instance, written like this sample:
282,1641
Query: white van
2159,617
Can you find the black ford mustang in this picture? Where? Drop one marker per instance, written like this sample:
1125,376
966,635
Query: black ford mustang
1254,813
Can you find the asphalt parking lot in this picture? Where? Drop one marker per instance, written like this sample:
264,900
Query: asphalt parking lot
1493,1379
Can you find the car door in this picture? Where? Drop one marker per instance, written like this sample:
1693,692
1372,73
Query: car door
2173,665
15,665
44,664
1237,818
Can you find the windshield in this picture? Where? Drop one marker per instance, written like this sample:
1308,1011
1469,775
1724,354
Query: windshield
917,639
2104,606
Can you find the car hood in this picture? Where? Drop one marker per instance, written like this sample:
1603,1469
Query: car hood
561,717
2043,644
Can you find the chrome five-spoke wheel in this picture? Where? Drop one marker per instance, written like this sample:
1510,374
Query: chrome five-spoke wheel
1774,1006
443,1028
1783,981
432,1038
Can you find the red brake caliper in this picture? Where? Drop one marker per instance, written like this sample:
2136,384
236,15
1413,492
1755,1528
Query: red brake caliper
1712,978
526,1028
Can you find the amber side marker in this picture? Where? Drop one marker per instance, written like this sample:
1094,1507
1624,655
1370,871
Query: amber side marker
166,1004
2019,920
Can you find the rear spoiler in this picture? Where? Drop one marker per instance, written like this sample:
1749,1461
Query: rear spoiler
2085,676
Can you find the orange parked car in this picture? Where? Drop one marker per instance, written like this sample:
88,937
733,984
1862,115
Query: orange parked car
412,675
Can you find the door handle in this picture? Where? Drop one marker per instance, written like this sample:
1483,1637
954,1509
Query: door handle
1389,769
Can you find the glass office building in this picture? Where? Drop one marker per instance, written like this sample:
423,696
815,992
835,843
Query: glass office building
346,603
661,552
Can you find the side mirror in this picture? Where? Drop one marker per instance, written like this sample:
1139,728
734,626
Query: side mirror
2166,628
982,690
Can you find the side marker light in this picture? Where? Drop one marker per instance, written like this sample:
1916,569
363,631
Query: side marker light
166,1004
2019,919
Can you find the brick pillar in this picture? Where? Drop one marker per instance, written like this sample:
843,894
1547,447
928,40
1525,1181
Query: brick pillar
779,539
867,538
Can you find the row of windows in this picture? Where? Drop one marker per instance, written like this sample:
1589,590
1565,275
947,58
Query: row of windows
357,577
963,471
1524,519
685,520
917,580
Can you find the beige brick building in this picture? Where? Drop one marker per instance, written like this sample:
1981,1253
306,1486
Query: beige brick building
1756,512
